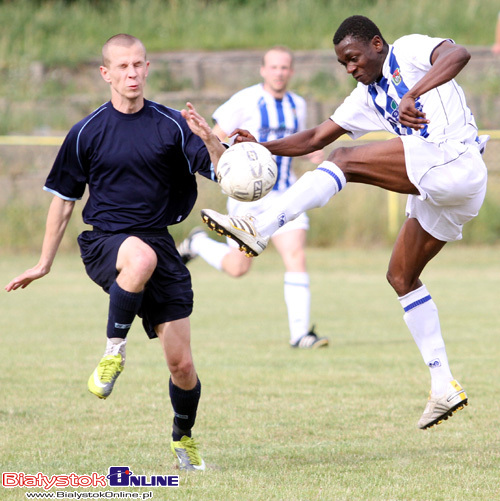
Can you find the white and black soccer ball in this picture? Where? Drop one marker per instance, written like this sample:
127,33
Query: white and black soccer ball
247,171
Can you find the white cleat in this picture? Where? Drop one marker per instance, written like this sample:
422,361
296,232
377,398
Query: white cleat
439,409
240,229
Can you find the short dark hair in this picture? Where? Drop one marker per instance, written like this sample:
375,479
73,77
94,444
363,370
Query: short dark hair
359,27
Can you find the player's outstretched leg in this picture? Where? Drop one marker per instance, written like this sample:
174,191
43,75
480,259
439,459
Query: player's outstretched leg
312,190
240,229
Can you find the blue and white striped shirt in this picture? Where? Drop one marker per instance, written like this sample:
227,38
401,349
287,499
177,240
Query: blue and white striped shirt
376,106
267,118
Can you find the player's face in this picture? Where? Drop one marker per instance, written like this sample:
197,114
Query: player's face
276,72
363,60
126,73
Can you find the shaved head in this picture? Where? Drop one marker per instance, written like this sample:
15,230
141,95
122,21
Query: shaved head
122,40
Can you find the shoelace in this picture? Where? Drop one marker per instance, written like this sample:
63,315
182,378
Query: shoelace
191,447
108,369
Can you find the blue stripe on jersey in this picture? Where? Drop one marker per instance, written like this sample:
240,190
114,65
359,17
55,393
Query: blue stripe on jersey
391,112
294,108
418,302
402,89
182,135
264,121
295,129
279,134
54,192
279,131
99,110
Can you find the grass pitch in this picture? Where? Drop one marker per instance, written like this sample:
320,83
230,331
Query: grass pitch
273,423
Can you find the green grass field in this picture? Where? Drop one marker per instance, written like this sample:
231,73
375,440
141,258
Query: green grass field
273,423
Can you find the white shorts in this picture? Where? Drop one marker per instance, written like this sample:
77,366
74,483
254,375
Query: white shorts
451,178
236,208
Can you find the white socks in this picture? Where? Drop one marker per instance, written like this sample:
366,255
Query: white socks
210,250
312,190
115,346
298,301
421,317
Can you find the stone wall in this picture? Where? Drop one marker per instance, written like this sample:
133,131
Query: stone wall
208,79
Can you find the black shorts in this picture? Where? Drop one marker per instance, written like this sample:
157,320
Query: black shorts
168,294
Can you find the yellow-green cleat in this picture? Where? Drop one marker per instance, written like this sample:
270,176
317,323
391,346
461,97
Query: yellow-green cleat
102,380
186,451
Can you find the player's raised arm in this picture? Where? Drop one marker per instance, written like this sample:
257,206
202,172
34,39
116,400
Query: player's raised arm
448,60
57,220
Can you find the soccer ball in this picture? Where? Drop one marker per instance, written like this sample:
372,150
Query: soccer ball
247,171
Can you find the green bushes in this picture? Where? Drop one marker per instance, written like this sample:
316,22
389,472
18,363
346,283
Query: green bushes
69,32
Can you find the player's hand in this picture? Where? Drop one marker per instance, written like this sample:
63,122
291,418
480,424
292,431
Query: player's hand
242,136
196,122
23,280
409,116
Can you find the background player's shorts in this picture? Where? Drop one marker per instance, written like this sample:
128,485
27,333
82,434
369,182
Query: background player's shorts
451,178
168,295
236,208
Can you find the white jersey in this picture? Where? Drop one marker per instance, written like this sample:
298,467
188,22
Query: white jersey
266,118
376,106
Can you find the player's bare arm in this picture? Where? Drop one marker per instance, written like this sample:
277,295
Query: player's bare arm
448,59
200,127
300,143
57,220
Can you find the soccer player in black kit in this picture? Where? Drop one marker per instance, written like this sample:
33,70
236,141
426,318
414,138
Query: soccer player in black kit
138,159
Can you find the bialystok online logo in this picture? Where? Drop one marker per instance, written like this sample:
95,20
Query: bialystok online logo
118,476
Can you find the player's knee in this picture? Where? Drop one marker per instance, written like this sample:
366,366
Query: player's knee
181,368
237,272
139,258
339,157
295,261
401,284
145,264
235,264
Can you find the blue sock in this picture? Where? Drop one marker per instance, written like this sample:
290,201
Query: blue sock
123,307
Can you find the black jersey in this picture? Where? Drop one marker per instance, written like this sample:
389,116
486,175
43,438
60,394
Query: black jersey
139,168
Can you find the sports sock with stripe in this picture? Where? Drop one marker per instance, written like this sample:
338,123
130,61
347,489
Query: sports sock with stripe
185,405
123,307
312,190
421,317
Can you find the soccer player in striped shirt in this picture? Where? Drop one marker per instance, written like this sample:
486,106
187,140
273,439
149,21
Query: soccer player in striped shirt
407,89
270,111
